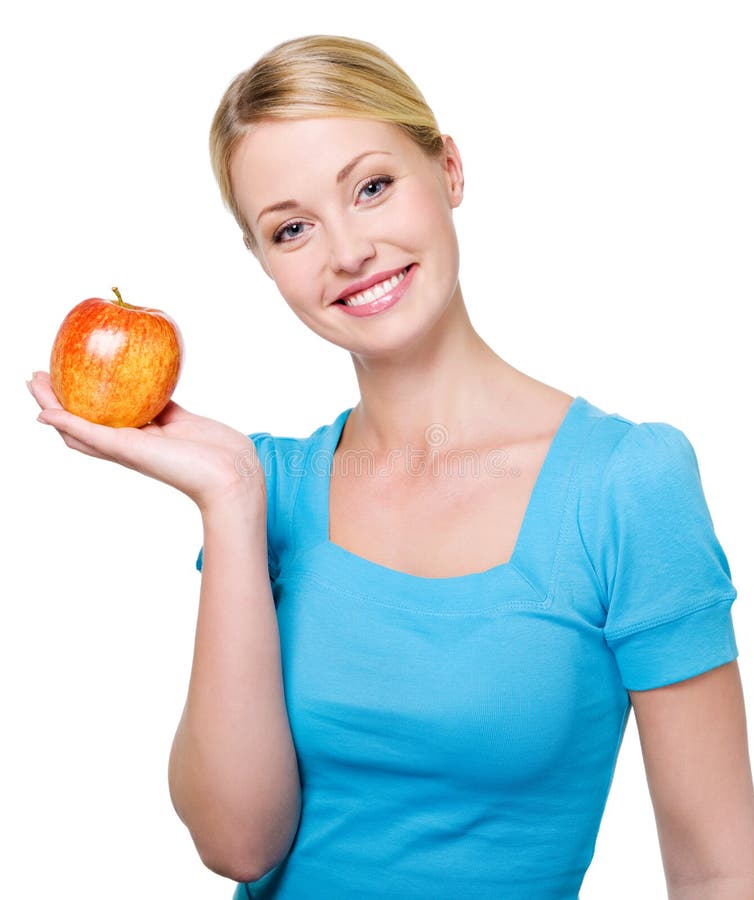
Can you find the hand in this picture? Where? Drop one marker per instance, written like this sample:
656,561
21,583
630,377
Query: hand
204,459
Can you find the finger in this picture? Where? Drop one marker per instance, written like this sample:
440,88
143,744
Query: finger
80,446
98,439
173,412
127,446
179,422
42,391
71,441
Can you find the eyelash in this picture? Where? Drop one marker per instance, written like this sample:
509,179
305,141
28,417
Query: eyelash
387,180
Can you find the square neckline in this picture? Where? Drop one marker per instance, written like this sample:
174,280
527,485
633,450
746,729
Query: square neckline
526,528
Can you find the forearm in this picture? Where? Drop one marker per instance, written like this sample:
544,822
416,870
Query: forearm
233,773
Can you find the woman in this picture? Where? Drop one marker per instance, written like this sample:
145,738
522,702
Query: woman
422,628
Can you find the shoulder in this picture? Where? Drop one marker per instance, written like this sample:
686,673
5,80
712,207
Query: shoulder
652,475
663,576
641,504
284,455
653,450
277,453
287,441
286,459
621,451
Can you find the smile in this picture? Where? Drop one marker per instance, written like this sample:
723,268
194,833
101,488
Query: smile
380,296
376,291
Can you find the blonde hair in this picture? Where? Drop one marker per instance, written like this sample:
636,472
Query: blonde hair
317,75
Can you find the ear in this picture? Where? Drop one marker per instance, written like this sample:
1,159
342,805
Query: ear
452,169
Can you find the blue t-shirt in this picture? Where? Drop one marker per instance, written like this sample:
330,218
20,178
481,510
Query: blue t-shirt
457,737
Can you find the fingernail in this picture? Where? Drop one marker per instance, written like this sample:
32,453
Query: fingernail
40,418
28,385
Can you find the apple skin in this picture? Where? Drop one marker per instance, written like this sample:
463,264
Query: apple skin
115,364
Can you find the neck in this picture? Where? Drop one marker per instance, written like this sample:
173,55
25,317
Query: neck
450,384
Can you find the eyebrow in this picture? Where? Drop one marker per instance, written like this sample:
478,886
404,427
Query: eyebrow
339,178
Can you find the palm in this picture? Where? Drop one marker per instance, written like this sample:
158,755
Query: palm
178,423
199,456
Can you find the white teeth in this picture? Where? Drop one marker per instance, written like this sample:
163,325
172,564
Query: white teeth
377,290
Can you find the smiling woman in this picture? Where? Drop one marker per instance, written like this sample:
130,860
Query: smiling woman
460,656
412,677
394,223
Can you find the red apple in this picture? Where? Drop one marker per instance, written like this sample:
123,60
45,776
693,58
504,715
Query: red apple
115,364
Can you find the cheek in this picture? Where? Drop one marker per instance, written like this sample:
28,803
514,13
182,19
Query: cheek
292,276
425,211
300,284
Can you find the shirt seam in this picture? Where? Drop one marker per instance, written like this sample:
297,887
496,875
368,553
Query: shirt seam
606,469
296,551
325,582
656,621
568,522
273,564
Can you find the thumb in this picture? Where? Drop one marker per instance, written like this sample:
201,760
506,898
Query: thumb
173,412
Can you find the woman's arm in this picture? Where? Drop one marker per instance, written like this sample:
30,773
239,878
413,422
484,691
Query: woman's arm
696,756
233,772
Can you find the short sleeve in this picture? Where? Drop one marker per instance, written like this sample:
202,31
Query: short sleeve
263,441
667,580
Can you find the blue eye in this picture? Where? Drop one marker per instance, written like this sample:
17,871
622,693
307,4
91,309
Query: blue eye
383,179
279,237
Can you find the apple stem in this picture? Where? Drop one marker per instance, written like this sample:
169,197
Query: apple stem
117,294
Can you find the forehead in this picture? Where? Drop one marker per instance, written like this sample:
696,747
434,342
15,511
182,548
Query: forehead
274,139
277,158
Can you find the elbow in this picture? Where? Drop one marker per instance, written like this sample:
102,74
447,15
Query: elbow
242,844
245,858
241,869
723,887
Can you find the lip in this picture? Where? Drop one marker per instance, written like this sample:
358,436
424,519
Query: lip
392,297
358,286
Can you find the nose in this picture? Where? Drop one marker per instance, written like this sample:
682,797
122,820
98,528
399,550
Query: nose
350,247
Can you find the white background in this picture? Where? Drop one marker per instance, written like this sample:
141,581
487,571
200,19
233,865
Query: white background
606,249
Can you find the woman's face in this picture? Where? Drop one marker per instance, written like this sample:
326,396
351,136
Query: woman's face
350,219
